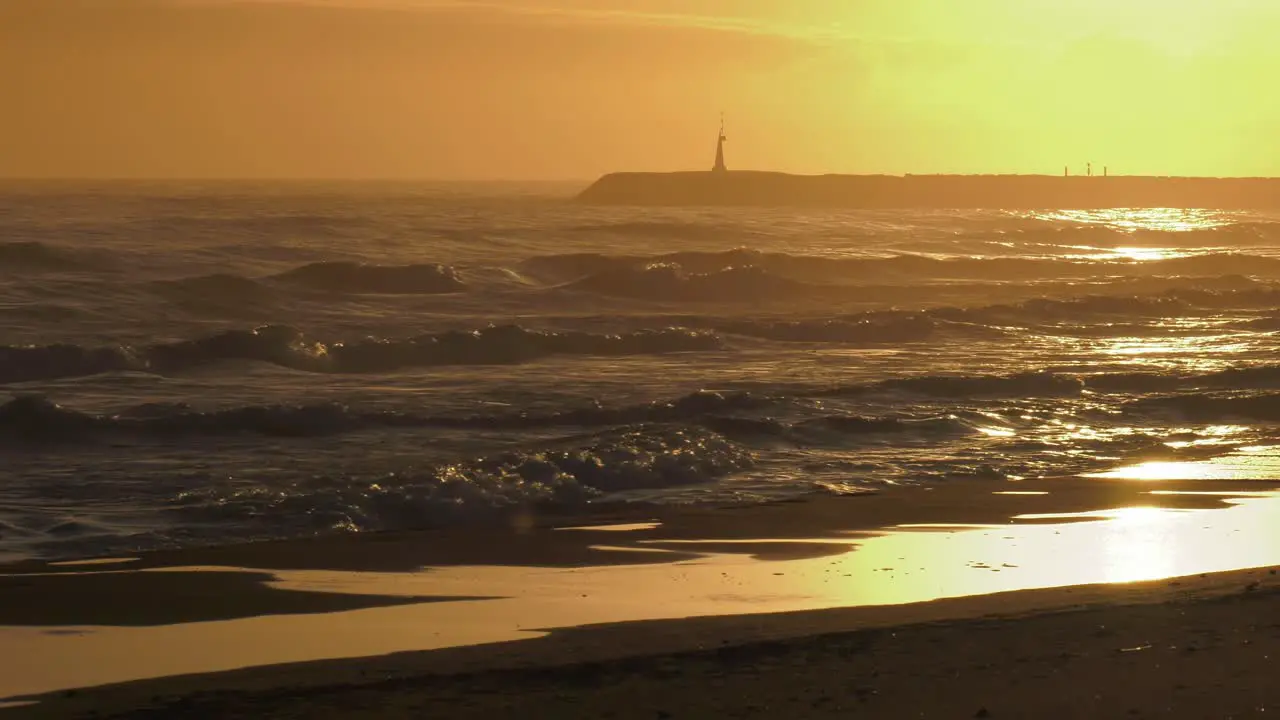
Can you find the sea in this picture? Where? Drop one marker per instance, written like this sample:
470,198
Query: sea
189,364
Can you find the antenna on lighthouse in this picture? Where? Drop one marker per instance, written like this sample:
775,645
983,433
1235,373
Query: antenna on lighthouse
719,166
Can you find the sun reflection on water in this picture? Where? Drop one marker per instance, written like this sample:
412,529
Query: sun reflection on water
1253,463
1152,346
1193,353
1136,254
1138,224
1134,220
1208,436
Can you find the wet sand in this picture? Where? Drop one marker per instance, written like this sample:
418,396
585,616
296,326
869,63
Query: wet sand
764,592
1203,647
524,539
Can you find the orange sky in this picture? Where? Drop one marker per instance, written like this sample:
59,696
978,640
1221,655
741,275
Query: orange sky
570,89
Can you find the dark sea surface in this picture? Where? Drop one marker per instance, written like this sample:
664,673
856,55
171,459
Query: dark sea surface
191,364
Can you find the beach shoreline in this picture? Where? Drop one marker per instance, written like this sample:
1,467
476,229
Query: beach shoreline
776,530
600,589
989,656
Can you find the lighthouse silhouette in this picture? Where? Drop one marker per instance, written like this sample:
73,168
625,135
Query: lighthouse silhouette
719,167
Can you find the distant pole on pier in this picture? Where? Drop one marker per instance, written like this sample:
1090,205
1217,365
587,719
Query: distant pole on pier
1089,169
1105,171
1066,171
720,167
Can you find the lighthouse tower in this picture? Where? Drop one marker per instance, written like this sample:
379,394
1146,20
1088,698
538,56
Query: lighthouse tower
720,149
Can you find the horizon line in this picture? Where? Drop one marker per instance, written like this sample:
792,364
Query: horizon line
284,179
287,179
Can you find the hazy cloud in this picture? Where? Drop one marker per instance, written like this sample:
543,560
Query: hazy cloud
593,13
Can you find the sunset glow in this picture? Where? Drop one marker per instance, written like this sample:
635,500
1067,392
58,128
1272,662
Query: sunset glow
493,89
639,358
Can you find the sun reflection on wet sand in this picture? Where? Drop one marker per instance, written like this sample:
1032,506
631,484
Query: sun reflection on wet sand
902,566
622,527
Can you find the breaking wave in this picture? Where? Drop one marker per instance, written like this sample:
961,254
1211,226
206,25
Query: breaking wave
734,414
287,347
658,229
868,329
350,277
575,267
32,417
566,475
670,282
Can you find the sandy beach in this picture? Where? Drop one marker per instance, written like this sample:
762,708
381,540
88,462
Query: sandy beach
1069,597
1200,647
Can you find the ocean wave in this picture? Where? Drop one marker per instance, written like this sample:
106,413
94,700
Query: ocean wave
563,475
32,255
839,429
575,267
740,415
1045,310
1027,231
867,329
1264,324
1121,313
1046,383
42,313
1235,234
993,321
215,285
660,229
1028,384
1249,232
1049,384
1044,313
669,282
220,295
24,363
1257,377
350,277
990,322
36,417
287,347
258,227
1212,407
1227,299
743,415
32,417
